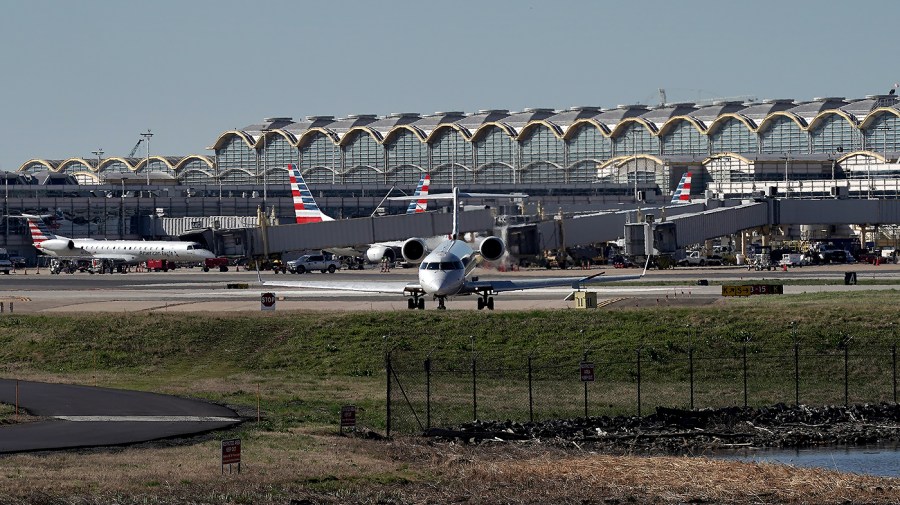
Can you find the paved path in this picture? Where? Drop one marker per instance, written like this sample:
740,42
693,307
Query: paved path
84,416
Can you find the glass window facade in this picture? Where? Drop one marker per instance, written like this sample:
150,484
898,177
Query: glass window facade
449,147
276,154
636,139
733,136
236,177
784,135
684,139
196,172
495,146
450,175
832,132
320,175
495,173
540,145
588,143
406,175
583,171
405,148
363,151
883,134
319,151
729,169
236,155
540,172
363,175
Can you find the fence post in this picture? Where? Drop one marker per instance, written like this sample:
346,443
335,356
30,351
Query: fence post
691,365
745,373
530,393
894,363
474,391
639,381
389,373
428,392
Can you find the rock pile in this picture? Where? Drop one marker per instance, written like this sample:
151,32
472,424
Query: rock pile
675,430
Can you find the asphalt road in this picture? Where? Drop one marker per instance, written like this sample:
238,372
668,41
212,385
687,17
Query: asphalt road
75,416
194,290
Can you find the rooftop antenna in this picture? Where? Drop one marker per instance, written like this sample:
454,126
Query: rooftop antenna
662,97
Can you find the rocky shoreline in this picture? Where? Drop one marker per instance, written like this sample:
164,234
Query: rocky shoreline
692,431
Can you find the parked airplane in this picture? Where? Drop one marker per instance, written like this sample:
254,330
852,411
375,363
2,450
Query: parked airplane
682,193
307,211
118,252
444,271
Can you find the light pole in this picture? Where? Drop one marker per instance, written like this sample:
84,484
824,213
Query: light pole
147,163
263,165
98,153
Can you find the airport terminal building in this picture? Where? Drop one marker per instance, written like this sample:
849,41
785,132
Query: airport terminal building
578,158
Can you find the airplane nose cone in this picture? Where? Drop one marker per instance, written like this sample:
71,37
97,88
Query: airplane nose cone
441,283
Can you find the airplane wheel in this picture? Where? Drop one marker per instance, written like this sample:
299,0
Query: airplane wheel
490,303
480,304
410,303
421,304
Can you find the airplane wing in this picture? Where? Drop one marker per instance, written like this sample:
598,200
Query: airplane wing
499,286
128,258
350,286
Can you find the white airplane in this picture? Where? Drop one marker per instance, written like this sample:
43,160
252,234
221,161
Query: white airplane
111,251
307,210
444,271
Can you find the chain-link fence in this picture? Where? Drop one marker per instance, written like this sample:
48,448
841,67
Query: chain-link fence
447,389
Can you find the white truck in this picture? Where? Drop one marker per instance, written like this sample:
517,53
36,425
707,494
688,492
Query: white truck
6,265
312,262
698,259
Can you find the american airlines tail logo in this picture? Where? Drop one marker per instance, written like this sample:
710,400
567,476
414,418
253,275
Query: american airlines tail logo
417,206
305,207
683,192
39,232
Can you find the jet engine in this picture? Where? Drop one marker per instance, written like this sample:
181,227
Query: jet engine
414,250
492,248
375,253
58,245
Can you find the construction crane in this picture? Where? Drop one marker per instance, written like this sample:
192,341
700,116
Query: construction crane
135,148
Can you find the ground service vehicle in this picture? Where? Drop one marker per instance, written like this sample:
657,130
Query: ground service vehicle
6,265
310,262
698,259
160,265
220,263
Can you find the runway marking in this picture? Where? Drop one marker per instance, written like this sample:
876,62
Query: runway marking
149,419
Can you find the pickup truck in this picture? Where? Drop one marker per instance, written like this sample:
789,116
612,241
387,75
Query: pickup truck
311,262
698,259
6,265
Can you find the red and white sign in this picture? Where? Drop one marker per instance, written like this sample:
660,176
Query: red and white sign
587,372
231,451
267,301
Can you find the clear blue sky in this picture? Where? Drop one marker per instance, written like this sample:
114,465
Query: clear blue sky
77,76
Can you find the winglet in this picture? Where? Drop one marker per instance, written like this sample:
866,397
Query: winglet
577,283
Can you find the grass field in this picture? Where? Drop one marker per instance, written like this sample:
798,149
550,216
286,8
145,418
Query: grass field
302,366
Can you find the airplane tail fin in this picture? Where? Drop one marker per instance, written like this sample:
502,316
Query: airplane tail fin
683,191
417,206
305,208
39,231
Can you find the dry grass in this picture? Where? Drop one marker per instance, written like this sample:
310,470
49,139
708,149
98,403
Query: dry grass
316,464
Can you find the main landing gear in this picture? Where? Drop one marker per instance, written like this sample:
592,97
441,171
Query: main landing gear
415,302
486,301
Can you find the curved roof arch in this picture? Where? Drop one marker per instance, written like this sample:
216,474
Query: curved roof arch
76,161
553,127
187,159
875,113
233,170
484,166
226,136
727,155
271,133
145,161
466,135
304,139
352,133
480,132
50,166
716,124
780,113
854,154
544,163
116,159
581,123
90,175
670,123
627,122
836,112
618,161
397,129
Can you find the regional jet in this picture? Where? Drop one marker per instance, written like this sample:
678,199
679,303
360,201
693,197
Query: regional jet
111,251
444,272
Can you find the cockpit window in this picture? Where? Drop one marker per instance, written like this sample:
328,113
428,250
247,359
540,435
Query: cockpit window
190,247
451,265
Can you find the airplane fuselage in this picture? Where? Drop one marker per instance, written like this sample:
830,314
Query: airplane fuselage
443,271
129,251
